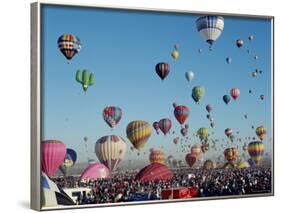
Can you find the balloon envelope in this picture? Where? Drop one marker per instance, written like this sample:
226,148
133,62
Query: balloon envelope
95,171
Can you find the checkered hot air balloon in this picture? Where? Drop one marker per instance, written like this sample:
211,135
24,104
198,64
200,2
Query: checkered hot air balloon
69,45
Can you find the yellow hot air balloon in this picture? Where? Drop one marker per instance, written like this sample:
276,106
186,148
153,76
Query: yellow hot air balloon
157,156
261,132
256,150
242,163
203,134
138,132
175,54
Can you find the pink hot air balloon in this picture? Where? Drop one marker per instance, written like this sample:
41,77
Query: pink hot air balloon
165,125
53,155
235,93
95,171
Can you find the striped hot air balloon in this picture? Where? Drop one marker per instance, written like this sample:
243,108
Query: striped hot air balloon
181,113
261,132
110,150
256,150
69,45
138,132
165,125
53,155
235,93
157,156
162,69
112,115
154,171
210,28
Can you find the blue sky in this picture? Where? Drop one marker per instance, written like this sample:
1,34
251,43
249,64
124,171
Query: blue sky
121,48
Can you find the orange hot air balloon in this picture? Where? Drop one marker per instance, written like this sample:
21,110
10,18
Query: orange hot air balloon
157,156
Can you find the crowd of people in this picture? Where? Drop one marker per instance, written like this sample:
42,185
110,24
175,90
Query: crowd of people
122,187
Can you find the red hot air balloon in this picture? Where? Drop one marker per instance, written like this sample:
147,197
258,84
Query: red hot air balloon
162,69
181,113
165,125
53,155
156,126
154,171
190,159
235,93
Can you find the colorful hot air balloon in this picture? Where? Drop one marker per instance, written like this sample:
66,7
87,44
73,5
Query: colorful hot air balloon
138,132
198,93
203,134
228,60
53,155
175,54
235,93
181,113
112,115
231,155
190,159
156,126
162,69
239,43
154,171
242,164
165,125
229,133
256,150
226,99
69,161
210,28
209,108
85,78
261,132
69,45
157,156
95,171
110,150
189,76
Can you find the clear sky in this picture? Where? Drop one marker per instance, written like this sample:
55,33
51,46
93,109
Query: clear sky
122,48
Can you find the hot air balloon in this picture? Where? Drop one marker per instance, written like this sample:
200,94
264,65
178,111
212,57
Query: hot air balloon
262,97
95,171
165,125
231,155
210,28
184,131
235,93
112,115
256,150
228,60
176,140
181,113
200,50
209,164
170,160
69,161
261,132
138,132
110,150
190,159
196,149
156,126
203,134
157,156
53,155
69,45
251,37
85,78
239,43
154,171
254,74
209,108
226,99
176,46
256,57
175,54
162,69
242,164
189,76
197,93
212,124
229,133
